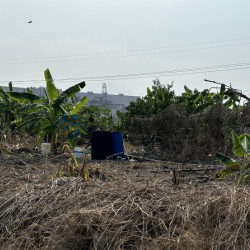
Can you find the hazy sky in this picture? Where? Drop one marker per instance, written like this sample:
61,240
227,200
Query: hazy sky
125,43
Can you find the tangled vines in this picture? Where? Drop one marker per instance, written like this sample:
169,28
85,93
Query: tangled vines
186,137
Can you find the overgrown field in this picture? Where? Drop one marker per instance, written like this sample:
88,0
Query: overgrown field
46,203
127,205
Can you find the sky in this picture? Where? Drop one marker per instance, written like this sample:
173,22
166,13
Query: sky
125,43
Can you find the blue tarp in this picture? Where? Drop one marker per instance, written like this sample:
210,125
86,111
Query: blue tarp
66,124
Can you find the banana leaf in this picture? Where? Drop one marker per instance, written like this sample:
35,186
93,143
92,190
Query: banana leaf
220,175
194,97
24,97
222,89
52,91
237,146
79,105
201,107
188,91
229,162
29,108
246,177
148,91
28,123
4,95
216,98
245,143
68,93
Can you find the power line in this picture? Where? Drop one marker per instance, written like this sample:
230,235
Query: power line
198,70
173,74
165,71
123,56
133,50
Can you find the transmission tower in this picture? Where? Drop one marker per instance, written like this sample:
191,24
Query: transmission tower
104,88
104,94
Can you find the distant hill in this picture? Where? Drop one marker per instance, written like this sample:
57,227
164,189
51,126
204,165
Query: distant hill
103,100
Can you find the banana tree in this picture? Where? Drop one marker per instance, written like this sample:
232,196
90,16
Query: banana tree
7,110
197,102
241,146
6,106
43,112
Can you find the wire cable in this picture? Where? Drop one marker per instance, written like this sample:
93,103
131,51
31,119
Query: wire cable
120,56
133,50
198,70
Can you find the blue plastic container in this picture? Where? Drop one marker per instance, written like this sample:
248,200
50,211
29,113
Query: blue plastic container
117,145
100,145
105,144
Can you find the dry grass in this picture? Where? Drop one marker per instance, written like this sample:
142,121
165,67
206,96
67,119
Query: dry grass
132,208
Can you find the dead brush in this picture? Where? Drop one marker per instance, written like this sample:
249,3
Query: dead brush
121,216
175,176
4,149
69,165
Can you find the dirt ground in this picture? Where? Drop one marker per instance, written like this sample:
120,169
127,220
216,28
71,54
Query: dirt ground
128,204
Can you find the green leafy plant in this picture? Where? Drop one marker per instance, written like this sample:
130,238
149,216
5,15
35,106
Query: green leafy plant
196,102
96,118
159,97
43,112
241,147
7,110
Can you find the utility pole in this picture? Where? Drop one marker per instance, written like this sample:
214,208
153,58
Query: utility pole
236,91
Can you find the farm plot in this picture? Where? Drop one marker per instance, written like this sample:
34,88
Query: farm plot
126,205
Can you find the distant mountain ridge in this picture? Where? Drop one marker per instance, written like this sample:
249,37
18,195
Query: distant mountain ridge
103,100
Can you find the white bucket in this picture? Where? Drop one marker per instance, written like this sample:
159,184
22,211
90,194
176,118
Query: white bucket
79,152
46,148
